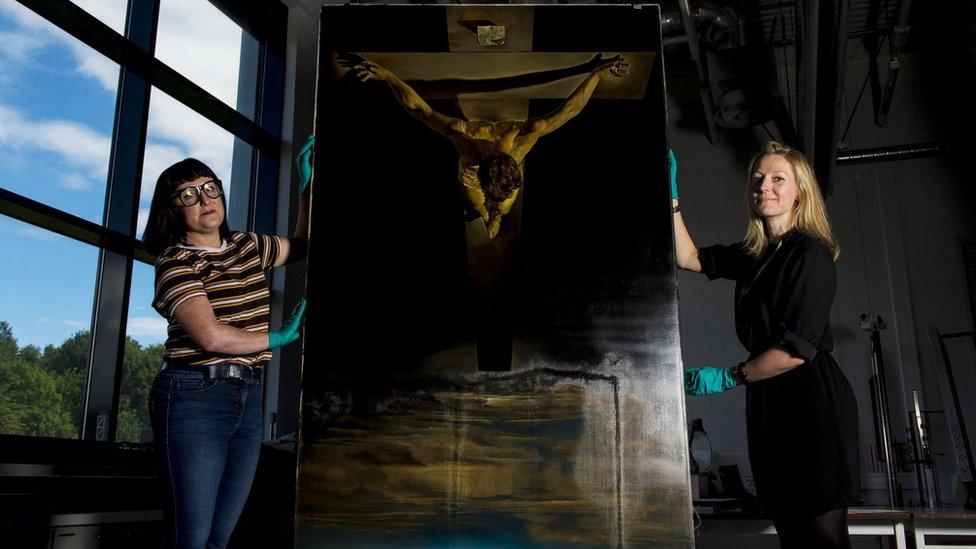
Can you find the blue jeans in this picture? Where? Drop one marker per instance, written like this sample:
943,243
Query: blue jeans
207,437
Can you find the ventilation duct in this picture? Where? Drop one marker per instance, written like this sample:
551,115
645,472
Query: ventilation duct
738,68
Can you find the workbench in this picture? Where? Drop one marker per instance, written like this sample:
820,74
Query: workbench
943,528
890,524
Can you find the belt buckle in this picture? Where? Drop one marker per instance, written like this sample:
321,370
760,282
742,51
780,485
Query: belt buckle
232,372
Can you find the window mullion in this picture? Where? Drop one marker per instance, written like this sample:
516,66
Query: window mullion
121,213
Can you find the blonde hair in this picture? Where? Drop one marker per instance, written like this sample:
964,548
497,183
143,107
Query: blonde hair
809,213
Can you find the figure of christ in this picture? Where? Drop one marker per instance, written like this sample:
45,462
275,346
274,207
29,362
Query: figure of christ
491,153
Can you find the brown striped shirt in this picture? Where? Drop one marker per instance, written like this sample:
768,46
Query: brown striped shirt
231,278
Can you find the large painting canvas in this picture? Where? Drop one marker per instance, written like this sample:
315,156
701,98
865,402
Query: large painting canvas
491,360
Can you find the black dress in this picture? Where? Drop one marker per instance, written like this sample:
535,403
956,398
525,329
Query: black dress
802,425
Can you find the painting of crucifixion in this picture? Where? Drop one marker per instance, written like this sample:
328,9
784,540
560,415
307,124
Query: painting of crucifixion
491,354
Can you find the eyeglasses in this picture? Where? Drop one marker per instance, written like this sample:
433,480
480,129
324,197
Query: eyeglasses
191,195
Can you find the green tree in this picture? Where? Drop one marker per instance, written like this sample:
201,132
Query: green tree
139,367
42,392
31,355
30,400
71,355
8,345
30,403
68,364
71,385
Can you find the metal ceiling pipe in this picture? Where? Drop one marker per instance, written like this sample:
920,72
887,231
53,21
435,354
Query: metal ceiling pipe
696,56
716,27
852,34
805,49
895,152
676,39
894,62
821,62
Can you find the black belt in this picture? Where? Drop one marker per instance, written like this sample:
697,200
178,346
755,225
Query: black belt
218,371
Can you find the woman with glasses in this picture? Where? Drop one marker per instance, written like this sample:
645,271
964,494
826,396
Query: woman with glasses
206,401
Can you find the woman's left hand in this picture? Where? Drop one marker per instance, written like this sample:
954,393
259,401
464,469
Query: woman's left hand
289,328
304,162
708,380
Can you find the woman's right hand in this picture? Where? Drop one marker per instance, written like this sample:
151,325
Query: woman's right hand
673,173
303,160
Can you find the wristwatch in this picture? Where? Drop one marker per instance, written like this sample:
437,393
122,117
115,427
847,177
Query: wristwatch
739,373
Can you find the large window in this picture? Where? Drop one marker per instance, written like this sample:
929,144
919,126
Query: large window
91,111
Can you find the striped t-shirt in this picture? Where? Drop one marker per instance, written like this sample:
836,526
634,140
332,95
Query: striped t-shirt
231,278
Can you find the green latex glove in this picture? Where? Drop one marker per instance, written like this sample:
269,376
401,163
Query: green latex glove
673,172
304,162
289,328
708,380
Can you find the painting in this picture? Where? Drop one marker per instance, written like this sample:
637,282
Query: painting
491,353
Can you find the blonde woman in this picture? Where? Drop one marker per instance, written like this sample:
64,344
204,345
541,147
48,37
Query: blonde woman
800,410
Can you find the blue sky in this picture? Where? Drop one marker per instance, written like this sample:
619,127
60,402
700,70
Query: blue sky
57,104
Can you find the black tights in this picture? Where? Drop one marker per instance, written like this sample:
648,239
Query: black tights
826,531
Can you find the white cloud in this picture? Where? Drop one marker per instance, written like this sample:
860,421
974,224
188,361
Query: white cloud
17,47
90,62
35,33
76,143
74,182
146,326
9,119
94,65
141,222
24,16
110,12
76,324
158,158
173,121
198,41
199,138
